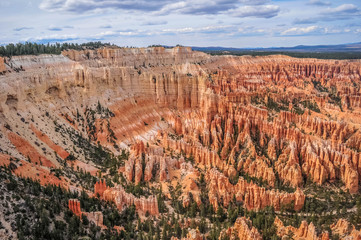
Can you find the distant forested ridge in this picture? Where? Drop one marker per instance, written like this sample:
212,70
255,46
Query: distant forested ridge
29,48
319,55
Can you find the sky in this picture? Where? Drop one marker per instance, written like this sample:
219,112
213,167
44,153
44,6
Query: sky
140,23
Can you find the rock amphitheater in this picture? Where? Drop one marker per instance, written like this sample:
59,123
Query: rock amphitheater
258,130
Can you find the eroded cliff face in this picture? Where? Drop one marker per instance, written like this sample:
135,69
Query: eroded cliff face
305,231
341,229
95,217
123,199
253,196
242,229
253,131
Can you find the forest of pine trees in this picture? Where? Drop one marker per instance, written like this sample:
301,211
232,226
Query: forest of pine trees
29,48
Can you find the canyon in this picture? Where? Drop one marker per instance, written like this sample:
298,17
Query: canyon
154,125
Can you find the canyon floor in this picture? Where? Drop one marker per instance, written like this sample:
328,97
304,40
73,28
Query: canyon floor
170,143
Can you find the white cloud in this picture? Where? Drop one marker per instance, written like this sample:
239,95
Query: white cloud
53,38
206,29
314,30
241,8
107,34
81,6
266,11
343,9
300,30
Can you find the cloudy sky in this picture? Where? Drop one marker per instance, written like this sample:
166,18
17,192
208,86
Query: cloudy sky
229,23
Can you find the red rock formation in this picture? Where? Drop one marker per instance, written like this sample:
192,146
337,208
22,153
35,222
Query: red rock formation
2,65
100,187
305,231
242,229
138,172
129,169
95,217
189,178
259,169
148,170
345,230
4,159
253,196
74,206
194,234
138,148
308,231
288,167
121,198
201,154
178,126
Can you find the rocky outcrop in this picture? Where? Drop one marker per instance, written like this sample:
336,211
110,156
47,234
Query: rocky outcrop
123,199
95,217
288,167
193,234
259,169
308,231
201,154
189,178
147,164
99,187
242,229
345,230
252,196
2,66
305,231
74,206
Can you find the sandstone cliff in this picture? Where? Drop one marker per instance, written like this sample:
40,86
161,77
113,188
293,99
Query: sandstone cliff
306,231
122,199
253,196
95,217
345,230
242,229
